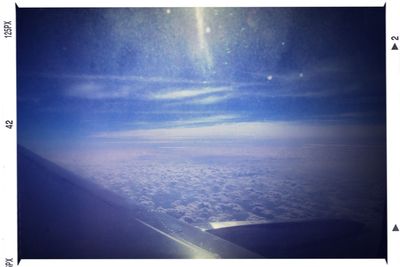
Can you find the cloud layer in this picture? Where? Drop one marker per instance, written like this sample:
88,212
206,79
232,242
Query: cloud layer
186,93
247,131
290,184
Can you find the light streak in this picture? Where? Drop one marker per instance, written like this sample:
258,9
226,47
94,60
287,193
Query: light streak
205,57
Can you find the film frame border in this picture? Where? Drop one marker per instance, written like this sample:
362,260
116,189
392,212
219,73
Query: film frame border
8,185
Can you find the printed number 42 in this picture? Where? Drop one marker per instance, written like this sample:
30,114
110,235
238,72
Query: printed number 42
9,124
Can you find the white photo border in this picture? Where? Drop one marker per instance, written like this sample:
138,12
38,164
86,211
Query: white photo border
8,137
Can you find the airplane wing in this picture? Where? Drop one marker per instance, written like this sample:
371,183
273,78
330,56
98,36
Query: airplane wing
62,216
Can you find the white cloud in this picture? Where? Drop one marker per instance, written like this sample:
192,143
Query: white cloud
192,121
123,78
248,131
207,119
188,93
211,99
98,91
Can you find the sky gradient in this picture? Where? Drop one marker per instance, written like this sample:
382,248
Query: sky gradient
90,78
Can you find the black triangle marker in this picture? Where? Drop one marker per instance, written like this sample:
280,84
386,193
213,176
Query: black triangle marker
395,228
394,47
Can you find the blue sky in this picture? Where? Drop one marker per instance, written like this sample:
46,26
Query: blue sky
129,77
